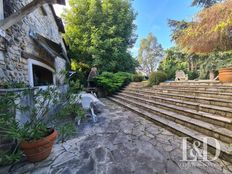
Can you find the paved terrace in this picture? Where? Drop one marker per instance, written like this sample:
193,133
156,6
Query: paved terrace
120,143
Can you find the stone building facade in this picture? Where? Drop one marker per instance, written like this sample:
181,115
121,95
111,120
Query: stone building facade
35,52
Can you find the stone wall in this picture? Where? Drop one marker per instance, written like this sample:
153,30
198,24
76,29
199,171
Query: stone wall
13,63
60,65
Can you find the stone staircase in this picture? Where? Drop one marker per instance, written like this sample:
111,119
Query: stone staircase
195,109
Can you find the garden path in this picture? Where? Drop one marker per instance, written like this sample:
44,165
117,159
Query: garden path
120,142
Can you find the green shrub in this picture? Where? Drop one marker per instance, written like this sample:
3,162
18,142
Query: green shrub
9,158
192,75
12,84
105,81
82,71
113,82
66,130
137,78
157,77
73,110
124,77
75,86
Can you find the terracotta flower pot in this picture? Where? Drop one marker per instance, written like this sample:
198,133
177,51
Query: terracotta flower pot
225,75
40,149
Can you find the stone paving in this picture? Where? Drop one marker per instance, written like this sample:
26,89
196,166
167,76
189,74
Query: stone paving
120,142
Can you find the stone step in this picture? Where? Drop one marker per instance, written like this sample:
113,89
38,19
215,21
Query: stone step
226,89
210,88
195,92
202,93
213,109
178,129
197,99
195,83
175,106
208,129
133,86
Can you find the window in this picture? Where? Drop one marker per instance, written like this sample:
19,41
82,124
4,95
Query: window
43,10
42,76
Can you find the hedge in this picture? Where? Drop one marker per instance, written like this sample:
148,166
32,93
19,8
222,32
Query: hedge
157,77
111,82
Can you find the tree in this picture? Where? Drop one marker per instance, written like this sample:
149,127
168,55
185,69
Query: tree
205,3
150,54
210,31
100,33
213,62
176,27
174,60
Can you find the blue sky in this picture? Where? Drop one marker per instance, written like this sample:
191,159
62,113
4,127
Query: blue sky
153,16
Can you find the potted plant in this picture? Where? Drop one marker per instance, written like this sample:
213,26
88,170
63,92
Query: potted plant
221,62
32,130
225,75
35,137
225,68
8,150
